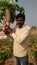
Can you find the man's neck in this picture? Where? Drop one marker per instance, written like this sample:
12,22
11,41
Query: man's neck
20,26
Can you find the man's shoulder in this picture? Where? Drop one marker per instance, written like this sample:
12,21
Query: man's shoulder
27,27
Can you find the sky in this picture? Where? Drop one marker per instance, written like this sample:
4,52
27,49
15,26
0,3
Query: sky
30,7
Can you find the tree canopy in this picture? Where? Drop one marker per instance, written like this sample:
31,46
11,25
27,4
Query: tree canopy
13,6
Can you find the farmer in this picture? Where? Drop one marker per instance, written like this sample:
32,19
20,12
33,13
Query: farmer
20,36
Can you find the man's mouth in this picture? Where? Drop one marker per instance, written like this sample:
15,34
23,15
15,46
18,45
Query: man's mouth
19,24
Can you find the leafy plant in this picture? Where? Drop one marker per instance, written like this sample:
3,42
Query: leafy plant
33,41
6,42
34,54
6,53
13,7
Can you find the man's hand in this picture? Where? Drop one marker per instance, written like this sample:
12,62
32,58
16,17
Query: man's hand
8,30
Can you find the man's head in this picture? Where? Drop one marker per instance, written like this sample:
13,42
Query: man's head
20,18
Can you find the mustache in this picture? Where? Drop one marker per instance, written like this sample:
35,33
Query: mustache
19,23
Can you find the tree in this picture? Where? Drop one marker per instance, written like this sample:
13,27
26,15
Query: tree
11,7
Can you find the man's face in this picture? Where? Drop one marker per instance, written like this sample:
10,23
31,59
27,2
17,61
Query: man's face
19,22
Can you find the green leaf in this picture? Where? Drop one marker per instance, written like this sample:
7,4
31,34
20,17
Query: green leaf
34,54
6,54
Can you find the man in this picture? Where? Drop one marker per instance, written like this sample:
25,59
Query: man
20,36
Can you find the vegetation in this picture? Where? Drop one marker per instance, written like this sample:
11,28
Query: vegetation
5,55
12,6
6,46
6,49
34,54
33,41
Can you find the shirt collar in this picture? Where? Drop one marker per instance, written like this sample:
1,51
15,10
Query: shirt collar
22,26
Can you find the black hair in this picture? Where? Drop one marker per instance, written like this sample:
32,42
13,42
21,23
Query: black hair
21,15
